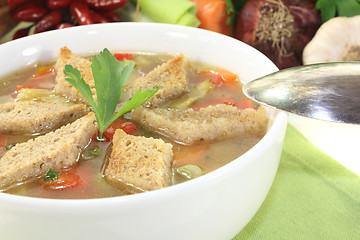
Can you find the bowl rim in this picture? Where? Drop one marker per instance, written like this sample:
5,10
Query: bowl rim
275,127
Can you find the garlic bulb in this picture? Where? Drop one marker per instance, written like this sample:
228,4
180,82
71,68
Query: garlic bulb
337,40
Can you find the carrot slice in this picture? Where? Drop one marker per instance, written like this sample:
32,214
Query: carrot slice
212,15
194,154
19,87
226,76
44,70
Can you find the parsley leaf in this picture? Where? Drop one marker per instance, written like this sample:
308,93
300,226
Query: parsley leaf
110,76
9,147
333,8
51,175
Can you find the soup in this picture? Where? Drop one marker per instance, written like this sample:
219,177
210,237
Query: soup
178,120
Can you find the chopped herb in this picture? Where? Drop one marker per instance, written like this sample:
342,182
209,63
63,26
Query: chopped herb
110,76
9,147
91,152
207,157
202,139
51,175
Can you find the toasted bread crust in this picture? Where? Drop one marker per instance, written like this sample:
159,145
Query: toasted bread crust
170,76
211,123
29,117
62,87
56,150
139,161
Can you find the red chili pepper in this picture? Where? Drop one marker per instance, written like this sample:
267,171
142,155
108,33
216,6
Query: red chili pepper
22,32
49,21
106,4
112,16
32,4
32,14
64,25
14,3
56,4
81,12
98,18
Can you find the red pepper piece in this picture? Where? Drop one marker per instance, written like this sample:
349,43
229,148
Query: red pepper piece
119,123
123,56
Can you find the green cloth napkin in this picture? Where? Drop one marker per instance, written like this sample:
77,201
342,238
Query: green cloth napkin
312,197
181,12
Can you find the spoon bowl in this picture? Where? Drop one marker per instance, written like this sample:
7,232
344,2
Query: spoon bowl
324,91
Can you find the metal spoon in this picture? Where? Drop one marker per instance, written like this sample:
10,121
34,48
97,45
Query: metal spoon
325,91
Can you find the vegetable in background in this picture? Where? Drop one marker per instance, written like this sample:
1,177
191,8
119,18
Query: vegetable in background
279,29
110,76
333,8
57,14
213,15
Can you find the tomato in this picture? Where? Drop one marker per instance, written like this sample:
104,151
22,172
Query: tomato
119,123
69,178
123,56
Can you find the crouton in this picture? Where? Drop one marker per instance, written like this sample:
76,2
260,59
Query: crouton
169,75
139,161
57,150
62,87
29,117
211,123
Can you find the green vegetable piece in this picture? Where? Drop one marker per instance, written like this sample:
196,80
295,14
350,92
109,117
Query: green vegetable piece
41,95
90,153
332,8
198,92
189,171
110,76
51,175
9,147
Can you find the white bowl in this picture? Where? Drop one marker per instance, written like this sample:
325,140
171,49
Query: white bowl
214,206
